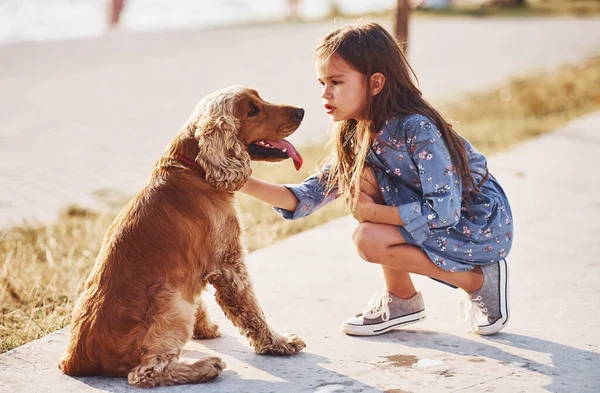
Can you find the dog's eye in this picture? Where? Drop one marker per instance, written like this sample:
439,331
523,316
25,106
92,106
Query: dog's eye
253,111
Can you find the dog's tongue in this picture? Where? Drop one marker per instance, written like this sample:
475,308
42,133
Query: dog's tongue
291,151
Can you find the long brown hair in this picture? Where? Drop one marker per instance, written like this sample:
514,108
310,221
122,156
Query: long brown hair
368,48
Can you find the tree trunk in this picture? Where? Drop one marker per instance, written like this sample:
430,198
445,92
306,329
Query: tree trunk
509,3
401,23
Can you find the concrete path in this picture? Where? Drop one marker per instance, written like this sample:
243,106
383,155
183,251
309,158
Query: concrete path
85,118
309,283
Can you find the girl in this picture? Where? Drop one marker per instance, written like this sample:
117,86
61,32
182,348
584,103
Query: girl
424,199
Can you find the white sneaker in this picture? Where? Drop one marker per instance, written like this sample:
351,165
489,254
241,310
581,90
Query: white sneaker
487,309
384,313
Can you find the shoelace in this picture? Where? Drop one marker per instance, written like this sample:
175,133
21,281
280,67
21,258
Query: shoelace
472,314
378,306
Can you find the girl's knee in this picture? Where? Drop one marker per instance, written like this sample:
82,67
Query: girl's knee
365,239
362,232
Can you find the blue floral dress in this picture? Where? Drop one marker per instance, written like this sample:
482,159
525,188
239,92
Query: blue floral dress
412,164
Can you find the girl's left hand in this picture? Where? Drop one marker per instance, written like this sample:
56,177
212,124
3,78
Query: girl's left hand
363,210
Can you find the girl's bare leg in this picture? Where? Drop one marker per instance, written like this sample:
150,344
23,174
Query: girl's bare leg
385,245
398,283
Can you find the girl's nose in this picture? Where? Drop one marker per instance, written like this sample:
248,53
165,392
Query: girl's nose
325,93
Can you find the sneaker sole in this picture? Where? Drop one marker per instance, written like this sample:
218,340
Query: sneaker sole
495,327
383,327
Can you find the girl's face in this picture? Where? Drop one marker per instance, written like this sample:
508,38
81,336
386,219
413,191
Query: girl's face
343,89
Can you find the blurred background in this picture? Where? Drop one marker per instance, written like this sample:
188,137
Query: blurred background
92,91
59,19
41,20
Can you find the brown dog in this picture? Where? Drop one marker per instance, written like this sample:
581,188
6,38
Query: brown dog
141,301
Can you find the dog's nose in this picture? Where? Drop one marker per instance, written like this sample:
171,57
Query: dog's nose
299,114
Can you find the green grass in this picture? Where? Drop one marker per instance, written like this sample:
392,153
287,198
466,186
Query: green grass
42,269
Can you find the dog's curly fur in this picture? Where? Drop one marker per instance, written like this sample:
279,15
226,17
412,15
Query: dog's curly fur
141,301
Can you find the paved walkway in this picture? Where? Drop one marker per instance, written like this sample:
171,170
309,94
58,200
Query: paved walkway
88,117
309,283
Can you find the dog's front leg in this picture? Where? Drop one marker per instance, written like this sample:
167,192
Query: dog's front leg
236,297
204,327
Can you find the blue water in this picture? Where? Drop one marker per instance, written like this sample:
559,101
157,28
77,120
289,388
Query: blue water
41,20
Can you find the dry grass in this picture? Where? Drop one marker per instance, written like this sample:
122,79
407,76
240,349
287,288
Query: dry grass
42,269
490,8
527,107
499,8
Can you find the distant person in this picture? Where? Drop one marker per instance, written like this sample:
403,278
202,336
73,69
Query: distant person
293,6
114,11
422,194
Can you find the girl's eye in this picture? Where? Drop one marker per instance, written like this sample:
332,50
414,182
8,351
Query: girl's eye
335,83
322,83
253,111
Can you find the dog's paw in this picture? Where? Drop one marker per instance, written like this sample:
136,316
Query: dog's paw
217,363
207,369
205,332
289,344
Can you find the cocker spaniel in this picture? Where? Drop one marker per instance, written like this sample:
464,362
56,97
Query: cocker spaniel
141,301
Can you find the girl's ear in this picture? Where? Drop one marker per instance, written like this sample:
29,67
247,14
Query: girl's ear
377,83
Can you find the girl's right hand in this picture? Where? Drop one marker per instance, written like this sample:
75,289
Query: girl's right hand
274,194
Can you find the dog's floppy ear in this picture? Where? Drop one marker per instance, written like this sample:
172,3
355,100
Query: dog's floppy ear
221,155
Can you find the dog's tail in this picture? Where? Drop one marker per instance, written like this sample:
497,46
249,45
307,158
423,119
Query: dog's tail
70,365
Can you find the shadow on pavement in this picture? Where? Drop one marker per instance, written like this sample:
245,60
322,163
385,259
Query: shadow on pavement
569,368
300,373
